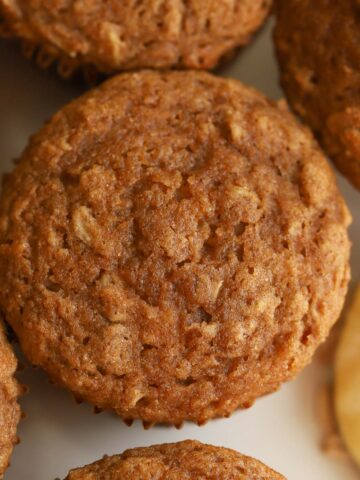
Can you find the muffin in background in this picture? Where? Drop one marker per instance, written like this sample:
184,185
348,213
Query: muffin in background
112,36
9,408
318,47
189,459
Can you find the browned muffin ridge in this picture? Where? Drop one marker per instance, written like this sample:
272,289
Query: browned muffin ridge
125,35
318,46
9,408
172,246
187,460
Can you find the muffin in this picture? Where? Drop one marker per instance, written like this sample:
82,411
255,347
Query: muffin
113,35
9,408
318,46
176,461
172,246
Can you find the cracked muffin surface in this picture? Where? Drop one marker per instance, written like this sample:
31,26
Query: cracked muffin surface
131,34
172,246
9,408
177,461
318,45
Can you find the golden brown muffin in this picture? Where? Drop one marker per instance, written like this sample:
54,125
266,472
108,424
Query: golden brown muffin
189,460
172,246
125,35
318,45
9,408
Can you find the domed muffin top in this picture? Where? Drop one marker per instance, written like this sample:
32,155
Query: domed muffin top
178,461
172,246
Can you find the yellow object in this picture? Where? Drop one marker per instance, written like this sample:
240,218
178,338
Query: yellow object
347,380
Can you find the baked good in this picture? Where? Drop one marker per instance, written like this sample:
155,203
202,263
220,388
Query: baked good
318,46
176,461
125,35
172,246
9,408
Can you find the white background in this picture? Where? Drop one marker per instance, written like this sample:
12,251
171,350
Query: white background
282,430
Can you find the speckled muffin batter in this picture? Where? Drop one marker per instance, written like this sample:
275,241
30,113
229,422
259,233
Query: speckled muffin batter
9,408
131,34
318,44
172,246
189,460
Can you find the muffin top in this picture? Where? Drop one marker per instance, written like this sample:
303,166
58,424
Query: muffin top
318,44
129,34
9,408
172,246
177,461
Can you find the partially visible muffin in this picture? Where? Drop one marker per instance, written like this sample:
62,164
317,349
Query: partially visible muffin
318,45
172,246
9,408
113,35
189,460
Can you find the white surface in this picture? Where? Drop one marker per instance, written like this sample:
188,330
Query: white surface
57,434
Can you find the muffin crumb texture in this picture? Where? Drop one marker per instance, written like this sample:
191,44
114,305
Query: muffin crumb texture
172,246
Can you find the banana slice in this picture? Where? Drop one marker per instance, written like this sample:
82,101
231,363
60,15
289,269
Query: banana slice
347,380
